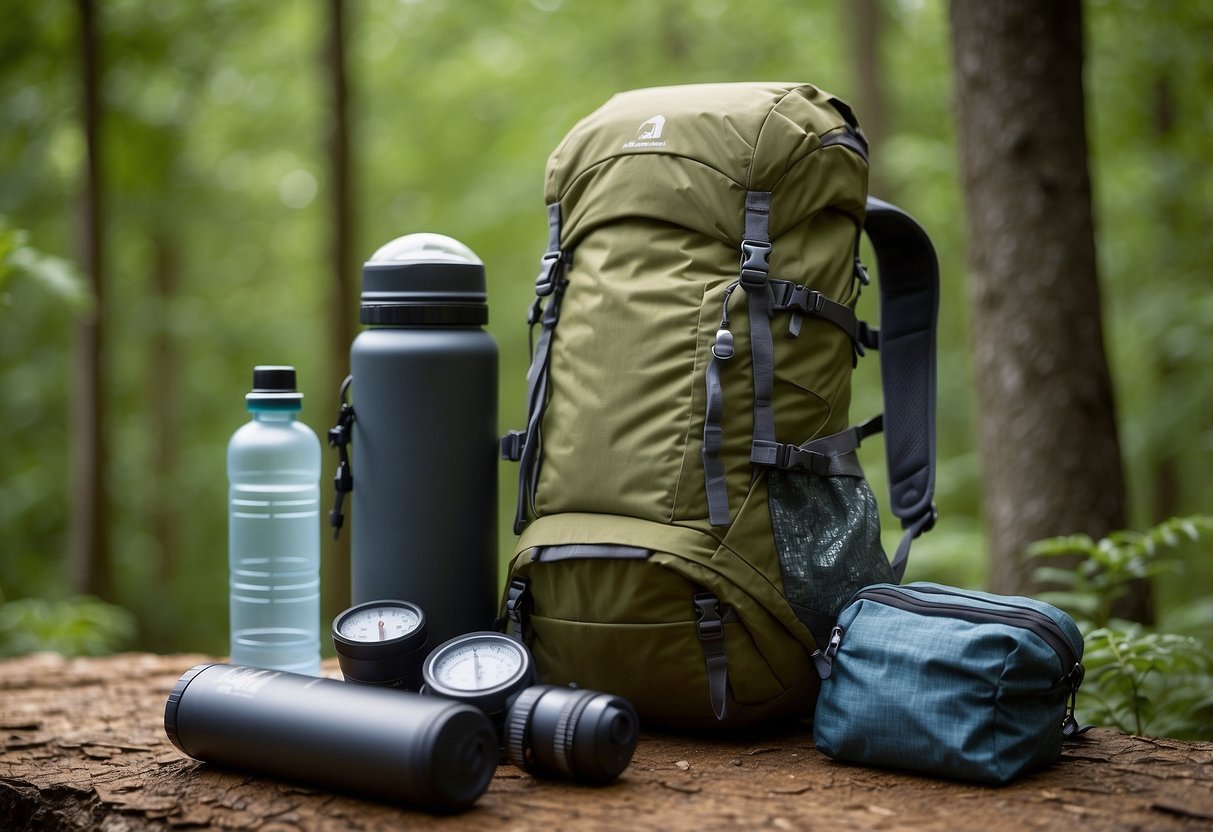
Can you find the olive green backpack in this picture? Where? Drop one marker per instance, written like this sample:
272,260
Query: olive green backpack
691,508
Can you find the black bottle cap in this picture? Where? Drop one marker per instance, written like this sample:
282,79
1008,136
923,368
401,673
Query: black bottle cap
274,388
274,378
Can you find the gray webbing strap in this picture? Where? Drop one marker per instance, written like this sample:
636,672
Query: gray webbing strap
909,306
710,624
755,266
518,603
713,433
832,455
549,284
801,300
713,436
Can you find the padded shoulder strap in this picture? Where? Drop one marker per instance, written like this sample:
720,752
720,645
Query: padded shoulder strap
909,306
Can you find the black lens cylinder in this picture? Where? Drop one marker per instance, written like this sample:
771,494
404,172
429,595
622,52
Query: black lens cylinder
581,735
390,744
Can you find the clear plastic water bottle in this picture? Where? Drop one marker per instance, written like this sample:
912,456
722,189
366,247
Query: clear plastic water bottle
273,470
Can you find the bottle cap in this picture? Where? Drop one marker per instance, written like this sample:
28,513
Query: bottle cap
274,388
424,280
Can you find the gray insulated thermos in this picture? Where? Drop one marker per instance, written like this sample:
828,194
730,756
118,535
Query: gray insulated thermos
424,436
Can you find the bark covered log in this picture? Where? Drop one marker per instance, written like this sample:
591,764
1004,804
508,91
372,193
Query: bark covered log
82,746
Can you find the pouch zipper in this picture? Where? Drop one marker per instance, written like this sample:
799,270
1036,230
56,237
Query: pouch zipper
1033,621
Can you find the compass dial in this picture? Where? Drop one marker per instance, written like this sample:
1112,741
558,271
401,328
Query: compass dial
485,669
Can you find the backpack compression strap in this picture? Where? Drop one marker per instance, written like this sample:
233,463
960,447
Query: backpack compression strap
832,455
909,306
909,303
524,446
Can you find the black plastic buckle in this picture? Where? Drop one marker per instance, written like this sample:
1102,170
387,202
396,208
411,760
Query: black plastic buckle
804,299
339,437
926,520
709,622
517,605
868,336
511,445
549,265
794,456
861,272
755,263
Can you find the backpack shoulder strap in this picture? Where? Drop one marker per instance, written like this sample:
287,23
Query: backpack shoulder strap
909,306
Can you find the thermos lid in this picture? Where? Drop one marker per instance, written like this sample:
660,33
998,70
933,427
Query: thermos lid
424,279
174,699
274,387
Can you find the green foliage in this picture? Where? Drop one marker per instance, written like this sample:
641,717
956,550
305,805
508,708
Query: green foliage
1108,566
1148,682
56,275
213,155
41,298
75,627
1138,679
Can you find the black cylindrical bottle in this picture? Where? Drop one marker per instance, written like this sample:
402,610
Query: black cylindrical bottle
424,436
425,752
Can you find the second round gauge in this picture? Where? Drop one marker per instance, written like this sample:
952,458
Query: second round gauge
485,669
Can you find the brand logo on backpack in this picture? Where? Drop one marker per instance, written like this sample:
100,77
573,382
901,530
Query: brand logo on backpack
649,134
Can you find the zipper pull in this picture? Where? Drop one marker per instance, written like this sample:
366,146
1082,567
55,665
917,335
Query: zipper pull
824,662
1070,728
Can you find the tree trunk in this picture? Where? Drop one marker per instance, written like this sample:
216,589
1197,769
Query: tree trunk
867,23
342,299
1166,476
163,394
1050,456
88,534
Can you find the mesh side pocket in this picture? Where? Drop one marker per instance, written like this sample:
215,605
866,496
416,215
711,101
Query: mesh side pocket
827,534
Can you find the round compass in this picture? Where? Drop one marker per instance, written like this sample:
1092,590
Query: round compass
381,643
485,669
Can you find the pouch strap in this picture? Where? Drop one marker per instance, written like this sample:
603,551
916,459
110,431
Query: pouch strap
710,620
909,306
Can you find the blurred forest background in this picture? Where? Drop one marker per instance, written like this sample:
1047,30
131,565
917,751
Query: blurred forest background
249,156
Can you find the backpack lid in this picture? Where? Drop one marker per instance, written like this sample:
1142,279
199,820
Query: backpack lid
690,153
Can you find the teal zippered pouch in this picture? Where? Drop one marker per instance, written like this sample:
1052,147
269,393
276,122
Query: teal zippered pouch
950,682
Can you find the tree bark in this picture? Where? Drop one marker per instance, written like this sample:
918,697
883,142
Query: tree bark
343,303
867,24
88,533
1050,455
